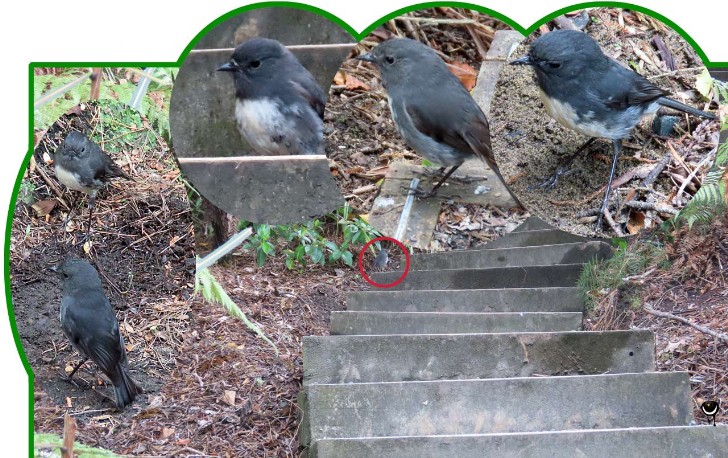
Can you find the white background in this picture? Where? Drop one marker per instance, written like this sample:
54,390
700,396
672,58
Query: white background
157,31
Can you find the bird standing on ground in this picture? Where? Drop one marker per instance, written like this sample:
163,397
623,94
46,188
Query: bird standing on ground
81,165
587,91
89,323
279,106
431,109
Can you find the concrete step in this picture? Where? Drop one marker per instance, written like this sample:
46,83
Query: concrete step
469,300
401,358
533,238
565,253
533,223
495,405
369,323
496,277
668,441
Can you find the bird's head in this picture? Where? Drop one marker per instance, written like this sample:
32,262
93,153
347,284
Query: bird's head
257,61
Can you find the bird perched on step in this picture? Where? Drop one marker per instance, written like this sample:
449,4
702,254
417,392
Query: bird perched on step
279,107
381,260
81,165
432,110
587,91
89,323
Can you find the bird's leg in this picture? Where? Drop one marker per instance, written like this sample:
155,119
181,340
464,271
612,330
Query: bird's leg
615,156
91,204
447,175
69,377
563,169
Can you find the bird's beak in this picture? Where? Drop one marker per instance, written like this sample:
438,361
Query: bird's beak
367,58
522,61
227,67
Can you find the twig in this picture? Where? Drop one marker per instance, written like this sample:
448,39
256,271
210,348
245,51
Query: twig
688,180
655,172
651,206
612,223
703,329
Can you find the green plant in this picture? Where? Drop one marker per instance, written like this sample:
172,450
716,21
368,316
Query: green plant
117,84
600,276
25,193
711,198
328,240
213,292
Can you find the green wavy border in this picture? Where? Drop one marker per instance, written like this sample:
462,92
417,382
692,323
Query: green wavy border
295,5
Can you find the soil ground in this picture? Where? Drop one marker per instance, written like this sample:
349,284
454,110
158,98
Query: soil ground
141,243
529,145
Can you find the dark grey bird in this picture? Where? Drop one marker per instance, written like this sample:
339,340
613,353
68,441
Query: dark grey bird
381,259
431,109
81,165
89,323
279,106
587,91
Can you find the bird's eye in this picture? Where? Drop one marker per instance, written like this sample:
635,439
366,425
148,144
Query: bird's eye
255,64
553,65
389,59
65,275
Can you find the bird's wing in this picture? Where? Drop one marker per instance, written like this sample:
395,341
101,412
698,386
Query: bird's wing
94,330
621,88
444,124
306,85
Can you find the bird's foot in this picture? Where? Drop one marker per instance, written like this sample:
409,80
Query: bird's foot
553,180
417,192
82,385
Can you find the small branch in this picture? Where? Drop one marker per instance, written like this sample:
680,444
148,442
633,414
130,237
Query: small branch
688,180
670,316
654,173
612,223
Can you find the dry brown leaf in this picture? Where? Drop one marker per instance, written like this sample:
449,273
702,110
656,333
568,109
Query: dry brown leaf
340,78
465,73
353,83
228,397
166,432
44,207
636,222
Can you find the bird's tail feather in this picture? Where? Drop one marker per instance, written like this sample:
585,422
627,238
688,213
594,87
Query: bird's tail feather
674,104
125,390
485,152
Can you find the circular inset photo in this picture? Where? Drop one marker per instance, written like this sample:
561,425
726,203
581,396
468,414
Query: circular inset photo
409,137
247,111
102,269
605,122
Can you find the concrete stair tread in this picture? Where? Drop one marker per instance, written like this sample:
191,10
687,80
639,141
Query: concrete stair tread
663,441
364,322
545,299
413,357
523,404
565,253
535,237
485,278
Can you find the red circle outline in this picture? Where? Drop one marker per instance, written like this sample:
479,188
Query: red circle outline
406,265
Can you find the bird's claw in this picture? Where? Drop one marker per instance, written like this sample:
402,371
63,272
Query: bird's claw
553,180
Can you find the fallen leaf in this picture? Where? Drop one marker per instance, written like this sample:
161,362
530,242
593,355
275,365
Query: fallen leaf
340,78
229,397
636,222
353,83
465,73
44,207
166,432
